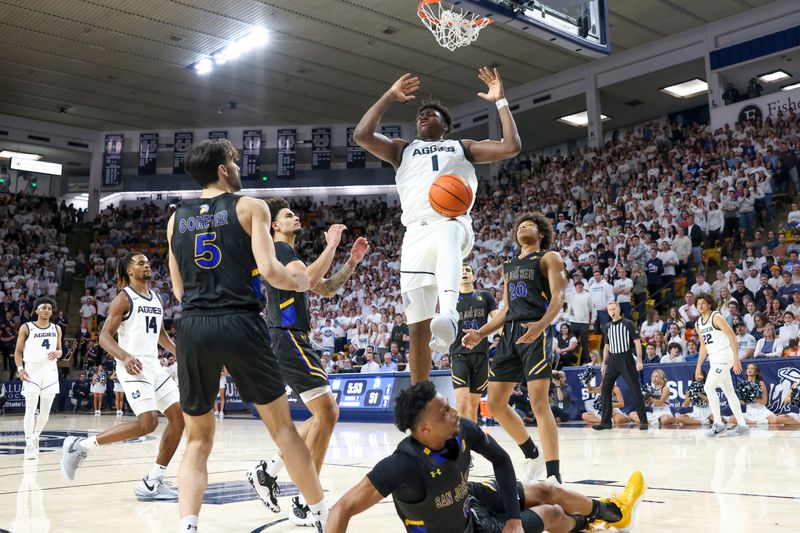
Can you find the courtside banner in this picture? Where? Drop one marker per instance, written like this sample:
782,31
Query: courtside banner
112,159
183,141
393,132
251,153
286,152
356,156
148,151
779,375
320,149
219,134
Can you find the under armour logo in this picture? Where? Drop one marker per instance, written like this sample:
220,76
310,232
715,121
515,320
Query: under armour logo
437,472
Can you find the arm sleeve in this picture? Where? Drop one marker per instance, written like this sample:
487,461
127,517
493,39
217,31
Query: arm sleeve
504,474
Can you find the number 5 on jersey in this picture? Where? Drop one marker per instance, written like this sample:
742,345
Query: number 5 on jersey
207,255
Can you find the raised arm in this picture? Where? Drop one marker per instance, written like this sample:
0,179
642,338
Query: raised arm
489,151
328,287
377,144
356,500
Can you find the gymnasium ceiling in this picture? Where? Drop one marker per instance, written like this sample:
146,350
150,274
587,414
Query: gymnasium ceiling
121,64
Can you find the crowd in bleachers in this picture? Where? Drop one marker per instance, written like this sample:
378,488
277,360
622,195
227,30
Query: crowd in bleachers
637,221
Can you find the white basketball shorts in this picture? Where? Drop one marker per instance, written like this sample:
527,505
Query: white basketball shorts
42,379
152,390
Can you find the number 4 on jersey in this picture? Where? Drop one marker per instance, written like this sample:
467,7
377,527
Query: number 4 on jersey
46,344
150,325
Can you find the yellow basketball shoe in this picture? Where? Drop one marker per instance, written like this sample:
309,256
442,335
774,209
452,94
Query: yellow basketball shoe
627,501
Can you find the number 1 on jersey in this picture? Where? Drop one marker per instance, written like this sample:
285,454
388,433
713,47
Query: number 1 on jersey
435,162
150,325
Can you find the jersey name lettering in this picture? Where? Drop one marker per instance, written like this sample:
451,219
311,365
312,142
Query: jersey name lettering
151,310
521,273
42,335
432,149
201,222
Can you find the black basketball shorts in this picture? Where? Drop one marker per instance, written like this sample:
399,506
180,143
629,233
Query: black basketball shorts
521,362
488,512
470,370
238,340
300,363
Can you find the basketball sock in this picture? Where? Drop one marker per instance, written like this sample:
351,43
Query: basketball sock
733,401
580,522
89,443
320,510
274,465
606,511
529,449
449,237
189,523
44,414
553,469
157,472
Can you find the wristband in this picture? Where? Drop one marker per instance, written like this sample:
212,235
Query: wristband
501,103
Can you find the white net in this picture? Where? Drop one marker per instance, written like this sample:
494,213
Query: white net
452,27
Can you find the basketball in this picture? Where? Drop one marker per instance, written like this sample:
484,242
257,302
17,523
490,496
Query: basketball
450,195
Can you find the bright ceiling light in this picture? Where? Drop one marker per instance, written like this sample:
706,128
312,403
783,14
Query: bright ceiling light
232,51
259,37
772,77
204,66
8,154
687,89
580,120
791,87
219,58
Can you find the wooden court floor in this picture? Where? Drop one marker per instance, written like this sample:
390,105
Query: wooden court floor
695,484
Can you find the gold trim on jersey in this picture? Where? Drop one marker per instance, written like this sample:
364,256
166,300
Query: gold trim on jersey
287,303
313,370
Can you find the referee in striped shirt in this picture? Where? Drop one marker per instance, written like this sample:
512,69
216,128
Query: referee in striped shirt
620,337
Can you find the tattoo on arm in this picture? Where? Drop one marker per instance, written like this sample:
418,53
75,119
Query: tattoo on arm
328,287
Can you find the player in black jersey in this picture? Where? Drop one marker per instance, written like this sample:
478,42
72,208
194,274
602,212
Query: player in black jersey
219,246
289,325
428,473
470,366
533,296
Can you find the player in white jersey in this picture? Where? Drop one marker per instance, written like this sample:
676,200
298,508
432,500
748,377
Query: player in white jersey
135,316
38,347
718,343
433,245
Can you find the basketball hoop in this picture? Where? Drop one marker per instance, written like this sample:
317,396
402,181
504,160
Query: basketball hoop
452,27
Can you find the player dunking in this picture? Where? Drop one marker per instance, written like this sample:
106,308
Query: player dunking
430,257
219,245
533,295
718,343
38,347
136,317
470,366
289,327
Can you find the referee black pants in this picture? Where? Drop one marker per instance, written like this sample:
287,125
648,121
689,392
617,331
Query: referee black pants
625,365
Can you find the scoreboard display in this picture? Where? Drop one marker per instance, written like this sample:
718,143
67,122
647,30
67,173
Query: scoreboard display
369,396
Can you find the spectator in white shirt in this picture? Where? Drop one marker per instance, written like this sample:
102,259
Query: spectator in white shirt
753,279
88,311
793,218
623,287
675,353
581,313
688,311
369,365
602,293
701,286
750,317
653,325
745,341
794,307
789,330
769,345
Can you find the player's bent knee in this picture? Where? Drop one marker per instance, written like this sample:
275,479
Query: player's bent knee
551,515
148,422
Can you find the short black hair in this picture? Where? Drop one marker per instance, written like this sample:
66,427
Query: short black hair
410,404
542,222
436,105
276,204
204,158
44,300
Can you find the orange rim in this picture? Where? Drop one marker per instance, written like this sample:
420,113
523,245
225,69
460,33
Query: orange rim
421,13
